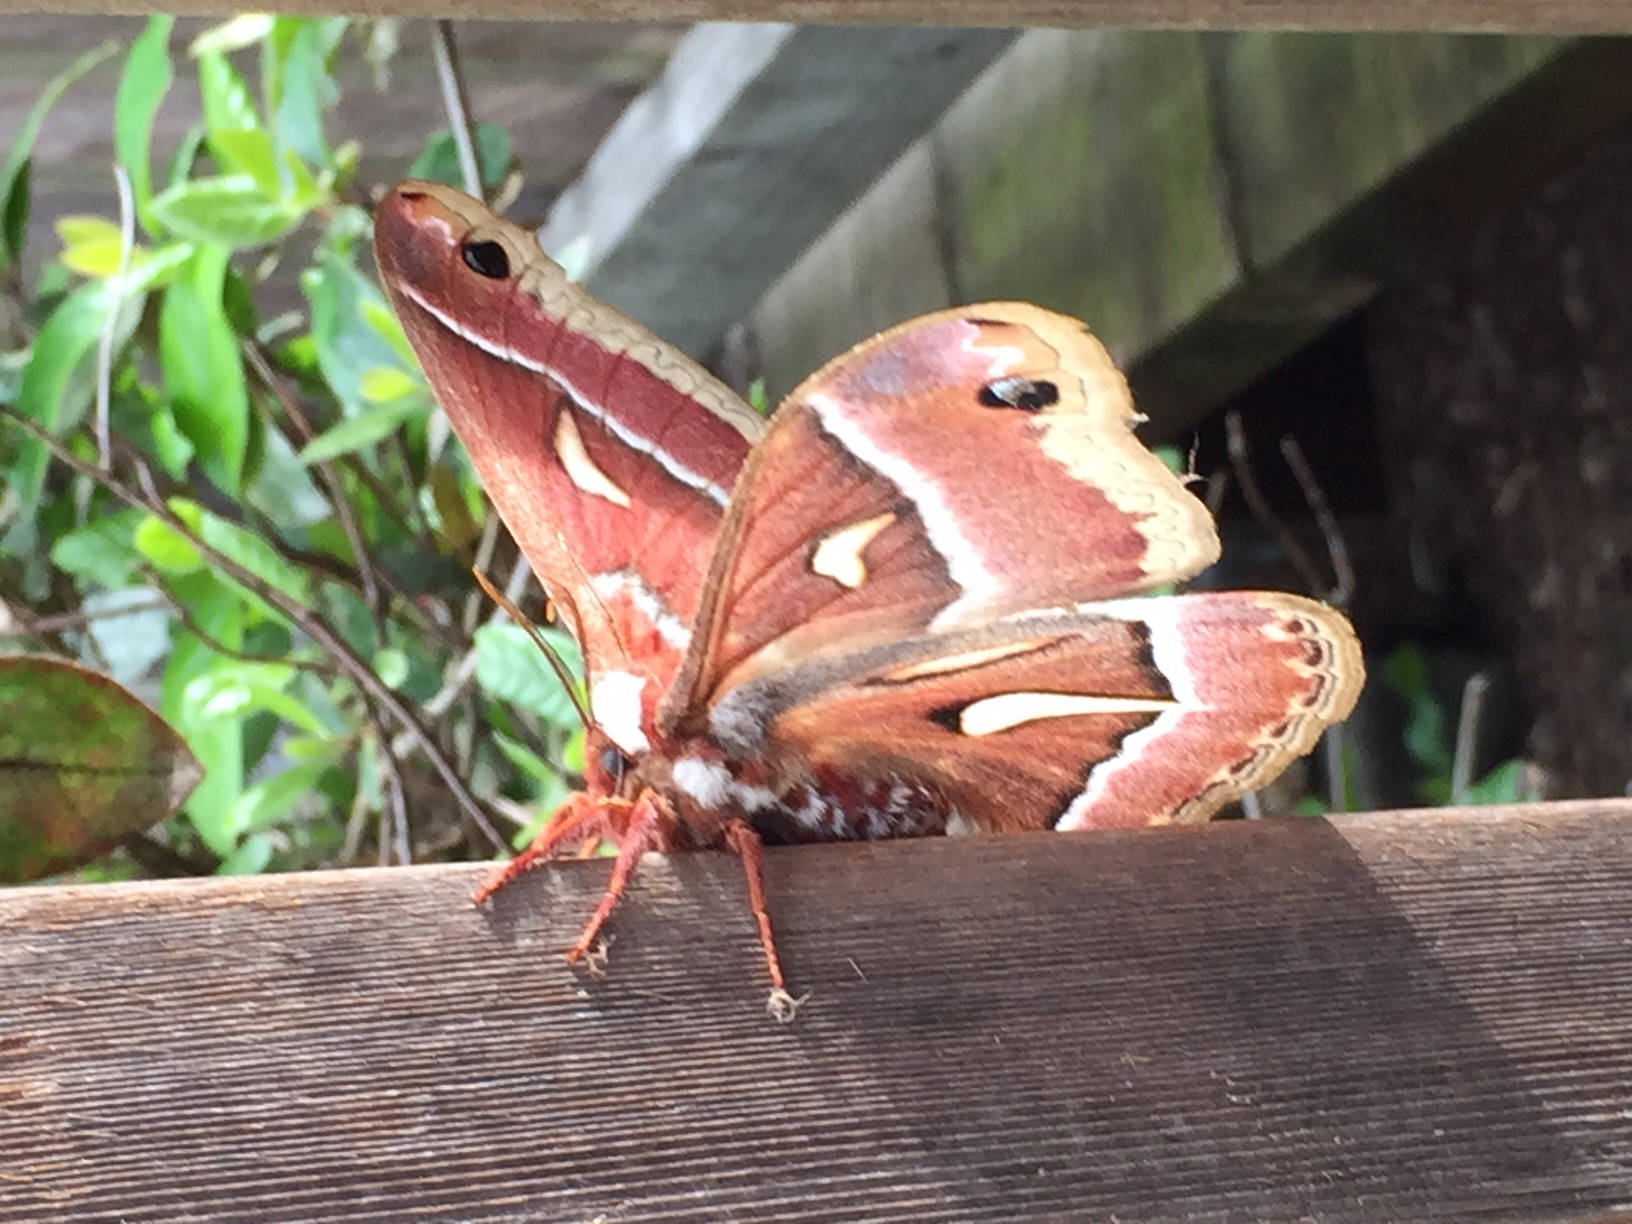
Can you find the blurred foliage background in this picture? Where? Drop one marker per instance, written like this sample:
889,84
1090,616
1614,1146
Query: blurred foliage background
254,518
227,488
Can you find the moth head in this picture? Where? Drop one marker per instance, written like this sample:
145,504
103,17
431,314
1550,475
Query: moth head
446,251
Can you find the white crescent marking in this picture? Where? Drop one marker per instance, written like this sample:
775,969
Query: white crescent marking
580,468
838,555
1005,710
963,562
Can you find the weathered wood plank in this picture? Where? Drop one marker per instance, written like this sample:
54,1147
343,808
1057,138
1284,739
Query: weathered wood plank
1375,1018
1474,16
1207,203
755,138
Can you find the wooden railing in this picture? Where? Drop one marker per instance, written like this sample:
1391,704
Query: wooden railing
1387,1017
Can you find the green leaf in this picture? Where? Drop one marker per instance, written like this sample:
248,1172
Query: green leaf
249,857
357,432
383,384
102,551
83,764
14,215
219,742
232,210
439,159
238,141
303,87
510,668
203,372
272,799
248,550
250,152
392,667
348,347
1503,784
91,246
60,378
385,324
164,548
235,692
14,172
146,80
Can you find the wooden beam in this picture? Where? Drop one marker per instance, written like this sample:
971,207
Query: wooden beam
1473,16
1389,1017
1207,203
755,138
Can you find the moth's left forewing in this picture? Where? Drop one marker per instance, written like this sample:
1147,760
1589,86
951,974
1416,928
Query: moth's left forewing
1123,713
967,465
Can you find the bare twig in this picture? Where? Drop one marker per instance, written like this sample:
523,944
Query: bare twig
42,625
314,626
1236,438
1331,750
1336,548
557,664
305,431
116,303
457,103
485,548
1468,720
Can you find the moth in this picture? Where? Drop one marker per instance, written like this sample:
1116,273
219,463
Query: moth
909,604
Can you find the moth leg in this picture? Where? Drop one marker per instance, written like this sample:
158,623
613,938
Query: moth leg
648,828
740,837
580,818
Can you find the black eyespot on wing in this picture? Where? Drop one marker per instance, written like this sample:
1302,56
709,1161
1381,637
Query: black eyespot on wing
487,259
613,762
1023,393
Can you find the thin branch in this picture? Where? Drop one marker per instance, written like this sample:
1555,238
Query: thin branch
1336,548
557,664
264,370
314,626
485,548
336,492
116,302
1236,438
32,625
457,103
1468,721
1331,749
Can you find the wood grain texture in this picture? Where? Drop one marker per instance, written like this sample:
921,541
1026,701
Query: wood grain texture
1475,16
1388,1017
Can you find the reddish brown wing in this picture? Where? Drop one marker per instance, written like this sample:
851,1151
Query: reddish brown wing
968,464
609,454
1126,712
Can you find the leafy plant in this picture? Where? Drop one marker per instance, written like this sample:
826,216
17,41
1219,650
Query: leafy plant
258,522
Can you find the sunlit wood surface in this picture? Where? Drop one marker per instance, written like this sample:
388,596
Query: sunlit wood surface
1389,1017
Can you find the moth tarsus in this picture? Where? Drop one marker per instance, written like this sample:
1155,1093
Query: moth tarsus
594,960
783,1007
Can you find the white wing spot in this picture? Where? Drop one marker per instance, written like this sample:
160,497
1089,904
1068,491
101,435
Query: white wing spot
838,554
580,468
615,704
